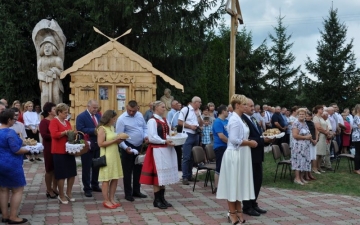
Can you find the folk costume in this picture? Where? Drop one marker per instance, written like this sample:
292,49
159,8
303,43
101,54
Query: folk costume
160,165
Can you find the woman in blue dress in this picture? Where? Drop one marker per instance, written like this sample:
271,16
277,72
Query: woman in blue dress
12,175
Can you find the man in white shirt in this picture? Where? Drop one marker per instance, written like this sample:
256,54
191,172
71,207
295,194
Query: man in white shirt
191,116
268,116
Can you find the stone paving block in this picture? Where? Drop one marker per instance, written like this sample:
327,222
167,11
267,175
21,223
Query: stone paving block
189,208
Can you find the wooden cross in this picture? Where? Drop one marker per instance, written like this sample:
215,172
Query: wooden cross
236,17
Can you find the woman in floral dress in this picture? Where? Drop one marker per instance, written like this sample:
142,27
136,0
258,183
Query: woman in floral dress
300,151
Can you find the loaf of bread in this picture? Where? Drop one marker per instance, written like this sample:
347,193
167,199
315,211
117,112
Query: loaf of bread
122,136
30,141
271,132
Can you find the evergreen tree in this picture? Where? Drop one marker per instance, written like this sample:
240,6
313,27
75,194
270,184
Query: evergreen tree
280,75
335,67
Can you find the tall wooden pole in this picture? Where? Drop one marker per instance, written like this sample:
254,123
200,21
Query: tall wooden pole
236,17
233,31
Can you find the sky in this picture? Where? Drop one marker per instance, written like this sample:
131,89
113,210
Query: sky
303,20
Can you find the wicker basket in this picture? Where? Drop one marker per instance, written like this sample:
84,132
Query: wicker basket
179,138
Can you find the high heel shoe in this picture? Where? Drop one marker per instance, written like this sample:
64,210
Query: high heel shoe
49,196
55,192
61,201
238,221
70,199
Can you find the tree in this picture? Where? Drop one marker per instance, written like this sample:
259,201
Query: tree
250,63
280,75
335,67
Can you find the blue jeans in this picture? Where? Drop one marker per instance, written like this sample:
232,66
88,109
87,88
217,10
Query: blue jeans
188,161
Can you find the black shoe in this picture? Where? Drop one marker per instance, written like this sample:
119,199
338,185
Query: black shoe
251,212
88,194
38,159
17,222
130,198
4,220
139,195
157,201
261,211
162,198
330,169
96,189
49,196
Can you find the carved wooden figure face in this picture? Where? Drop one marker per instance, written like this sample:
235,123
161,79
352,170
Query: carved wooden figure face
48,49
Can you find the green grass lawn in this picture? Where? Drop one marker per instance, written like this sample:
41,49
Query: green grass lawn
340,182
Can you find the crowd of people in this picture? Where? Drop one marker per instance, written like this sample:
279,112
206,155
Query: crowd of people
235,130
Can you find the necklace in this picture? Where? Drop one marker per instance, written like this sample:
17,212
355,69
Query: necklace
63,123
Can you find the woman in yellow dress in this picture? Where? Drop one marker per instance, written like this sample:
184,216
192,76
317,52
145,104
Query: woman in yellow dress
108,143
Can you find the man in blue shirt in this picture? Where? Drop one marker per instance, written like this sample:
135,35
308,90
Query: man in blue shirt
132,123
220,133
172,117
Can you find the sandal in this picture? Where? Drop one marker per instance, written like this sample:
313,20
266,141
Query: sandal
238,221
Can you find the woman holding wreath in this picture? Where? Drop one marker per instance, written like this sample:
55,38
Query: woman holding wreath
160,165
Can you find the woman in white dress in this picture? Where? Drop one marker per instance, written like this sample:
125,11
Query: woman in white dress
160,166
236,180
31,122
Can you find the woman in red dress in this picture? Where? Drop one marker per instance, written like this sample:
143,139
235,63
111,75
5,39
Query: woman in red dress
50,181
160,165
64,163
346,135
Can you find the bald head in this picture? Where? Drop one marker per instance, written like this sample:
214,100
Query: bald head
196,102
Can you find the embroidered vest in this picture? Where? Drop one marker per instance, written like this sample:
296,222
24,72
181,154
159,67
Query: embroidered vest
162,128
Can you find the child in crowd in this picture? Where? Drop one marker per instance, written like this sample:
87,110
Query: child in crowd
206,133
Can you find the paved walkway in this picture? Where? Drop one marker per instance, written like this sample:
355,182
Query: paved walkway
199,207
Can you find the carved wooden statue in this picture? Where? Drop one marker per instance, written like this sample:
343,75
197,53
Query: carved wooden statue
167,99
49,42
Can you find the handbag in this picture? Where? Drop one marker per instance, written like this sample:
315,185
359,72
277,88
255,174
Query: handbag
99,162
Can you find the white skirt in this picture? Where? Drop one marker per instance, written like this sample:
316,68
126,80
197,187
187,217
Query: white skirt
312,152
236,175
166,165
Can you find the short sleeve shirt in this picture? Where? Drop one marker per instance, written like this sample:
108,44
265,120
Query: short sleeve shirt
220,126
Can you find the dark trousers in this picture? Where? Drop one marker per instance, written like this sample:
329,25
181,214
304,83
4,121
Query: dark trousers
357,155
130,170
188,161
90,175
258,177
178,150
